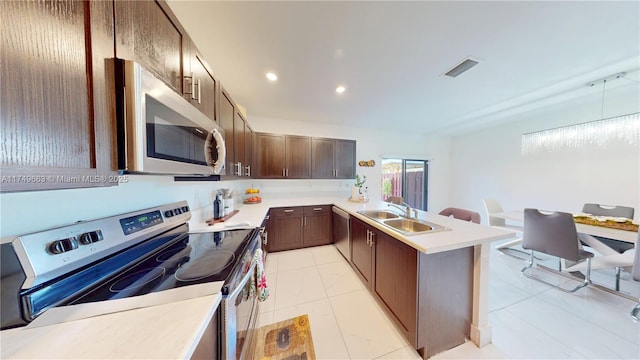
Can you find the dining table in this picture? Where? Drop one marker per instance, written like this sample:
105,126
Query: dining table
607,257
593,230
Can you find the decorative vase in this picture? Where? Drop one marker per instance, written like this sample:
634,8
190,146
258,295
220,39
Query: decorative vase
355,193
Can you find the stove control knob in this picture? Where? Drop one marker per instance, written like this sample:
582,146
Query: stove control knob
91,237
177,211
185,209
63,245
168,213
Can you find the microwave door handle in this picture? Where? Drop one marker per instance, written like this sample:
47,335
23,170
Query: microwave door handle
244,281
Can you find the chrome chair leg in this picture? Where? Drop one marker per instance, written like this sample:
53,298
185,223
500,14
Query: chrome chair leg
635,313
586,281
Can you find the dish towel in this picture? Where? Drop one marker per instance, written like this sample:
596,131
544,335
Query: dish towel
261,279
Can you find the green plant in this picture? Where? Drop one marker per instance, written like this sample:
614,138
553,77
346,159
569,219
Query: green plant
386,186
360,181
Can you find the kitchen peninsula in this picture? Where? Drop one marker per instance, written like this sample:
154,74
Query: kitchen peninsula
441,273
462,240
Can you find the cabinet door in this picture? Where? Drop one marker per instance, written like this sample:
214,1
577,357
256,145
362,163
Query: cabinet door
361,250
286,229
57,100
248,152
201,86
298,157
396,266
239,142
345,159
322,159
317,225
226,122
145,33
269,160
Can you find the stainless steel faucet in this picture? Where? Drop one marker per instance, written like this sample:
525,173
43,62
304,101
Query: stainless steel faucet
406,208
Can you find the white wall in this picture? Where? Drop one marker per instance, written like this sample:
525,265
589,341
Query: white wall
21,213
489,163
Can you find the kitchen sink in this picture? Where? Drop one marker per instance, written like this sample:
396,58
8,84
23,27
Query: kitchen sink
410,226
379,214
401,224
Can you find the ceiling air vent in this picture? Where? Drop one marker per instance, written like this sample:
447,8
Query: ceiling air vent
462,67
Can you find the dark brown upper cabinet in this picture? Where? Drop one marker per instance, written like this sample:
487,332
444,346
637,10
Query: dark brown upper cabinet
147,33
57,98
333,158
226,116
237,134
280,156
199,84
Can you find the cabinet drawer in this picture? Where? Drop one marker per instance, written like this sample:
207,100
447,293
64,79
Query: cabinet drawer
286,211
317,210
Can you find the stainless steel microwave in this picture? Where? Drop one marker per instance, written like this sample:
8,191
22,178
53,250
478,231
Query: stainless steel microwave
160,132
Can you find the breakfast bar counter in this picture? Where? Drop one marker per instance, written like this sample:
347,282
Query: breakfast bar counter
458,236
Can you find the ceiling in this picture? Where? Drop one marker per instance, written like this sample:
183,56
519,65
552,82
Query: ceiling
391,57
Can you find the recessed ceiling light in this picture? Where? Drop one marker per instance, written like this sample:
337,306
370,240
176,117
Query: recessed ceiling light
340,89
271,76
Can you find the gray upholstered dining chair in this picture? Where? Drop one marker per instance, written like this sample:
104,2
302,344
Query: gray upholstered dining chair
461,214
607,210
603,245
553,234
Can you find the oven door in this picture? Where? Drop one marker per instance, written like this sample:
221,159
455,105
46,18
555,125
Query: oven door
160,132
240,312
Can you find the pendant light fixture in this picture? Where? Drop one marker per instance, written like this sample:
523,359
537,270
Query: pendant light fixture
620,129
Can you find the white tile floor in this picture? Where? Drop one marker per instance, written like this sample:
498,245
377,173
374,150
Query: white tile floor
529,319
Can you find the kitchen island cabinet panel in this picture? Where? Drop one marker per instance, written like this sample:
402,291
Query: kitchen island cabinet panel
428,296
445,299
396,280
362,251
57,103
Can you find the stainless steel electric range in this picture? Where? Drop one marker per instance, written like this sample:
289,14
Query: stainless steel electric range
129,255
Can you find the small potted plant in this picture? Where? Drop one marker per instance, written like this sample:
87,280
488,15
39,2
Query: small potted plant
357,194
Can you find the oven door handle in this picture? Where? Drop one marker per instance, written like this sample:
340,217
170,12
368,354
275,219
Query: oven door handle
244,281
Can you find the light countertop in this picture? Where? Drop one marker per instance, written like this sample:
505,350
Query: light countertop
173,330
168,331
460,233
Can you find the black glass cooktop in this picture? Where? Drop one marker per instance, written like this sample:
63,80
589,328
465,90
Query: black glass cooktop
190,259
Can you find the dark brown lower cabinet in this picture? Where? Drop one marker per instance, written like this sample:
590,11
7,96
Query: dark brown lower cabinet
286,228
317,225
299,227
361,250
395,280
429,297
